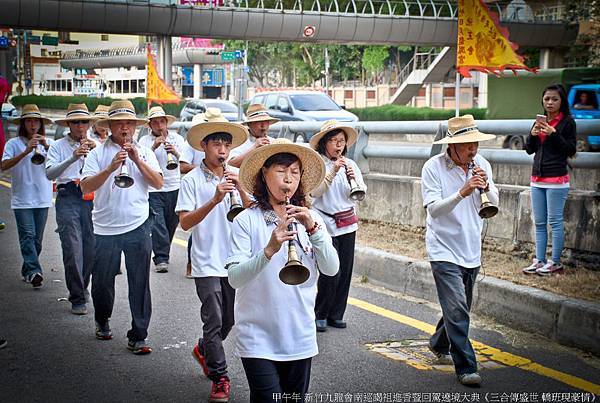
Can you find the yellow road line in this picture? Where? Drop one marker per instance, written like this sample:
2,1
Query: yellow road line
5,184
494,353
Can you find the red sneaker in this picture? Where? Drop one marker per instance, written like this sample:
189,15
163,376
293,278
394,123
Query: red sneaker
201,360
220,390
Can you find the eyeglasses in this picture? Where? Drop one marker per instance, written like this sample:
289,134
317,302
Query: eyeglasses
80,122
338,142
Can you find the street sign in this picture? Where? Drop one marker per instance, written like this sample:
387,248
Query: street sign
50,40
309,31
3,42
239,54
227,56
213,77
34,39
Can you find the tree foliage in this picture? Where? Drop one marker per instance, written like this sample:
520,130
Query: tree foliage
286,64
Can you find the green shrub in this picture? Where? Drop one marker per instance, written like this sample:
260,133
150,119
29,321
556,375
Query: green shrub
61,103
400,113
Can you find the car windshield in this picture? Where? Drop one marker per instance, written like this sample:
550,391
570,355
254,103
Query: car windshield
314,102
225,107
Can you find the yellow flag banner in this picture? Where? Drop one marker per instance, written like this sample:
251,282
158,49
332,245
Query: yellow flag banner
483,44
156,89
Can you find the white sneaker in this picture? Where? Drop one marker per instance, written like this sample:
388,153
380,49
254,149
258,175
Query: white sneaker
533,267
550,268
162,268
470,379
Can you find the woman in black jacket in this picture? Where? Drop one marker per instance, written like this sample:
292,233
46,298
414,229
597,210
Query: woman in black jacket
552,140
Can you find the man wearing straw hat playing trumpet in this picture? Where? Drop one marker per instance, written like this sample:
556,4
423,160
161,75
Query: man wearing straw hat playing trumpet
204,205
73,208
258,121
122,221
167,147
451,186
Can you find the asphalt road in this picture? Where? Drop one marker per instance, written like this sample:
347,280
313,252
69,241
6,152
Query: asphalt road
53,356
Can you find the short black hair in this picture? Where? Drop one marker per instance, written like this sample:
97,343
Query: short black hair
219,136
322,144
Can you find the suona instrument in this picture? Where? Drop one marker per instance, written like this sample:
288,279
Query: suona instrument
294,272
172,161
356,192
235,204
37,158
487,208
123,179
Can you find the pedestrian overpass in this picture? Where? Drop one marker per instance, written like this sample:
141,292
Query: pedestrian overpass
386,22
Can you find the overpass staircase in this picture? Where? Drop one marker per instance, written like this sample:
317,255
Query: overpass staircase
424,67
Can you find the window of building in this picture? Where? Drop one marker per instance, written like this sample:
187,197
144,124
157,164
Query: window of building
370,94
104,37
134,86
348,94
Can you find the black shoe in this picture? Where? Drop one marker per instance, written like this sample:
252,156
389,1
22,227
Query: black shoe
321,325
36,280
340,324
103,332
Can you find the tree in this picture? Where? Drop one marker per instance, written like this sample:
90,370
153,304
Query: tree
373,60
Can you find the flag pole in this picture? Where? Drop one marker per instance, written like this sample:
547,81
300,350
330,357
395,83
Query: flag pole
457,95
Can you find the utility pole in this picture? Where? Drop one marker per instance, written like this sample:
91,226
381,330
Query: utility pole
326,71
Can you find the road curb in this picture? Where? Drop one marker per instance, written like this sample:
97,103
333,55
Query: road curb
568,321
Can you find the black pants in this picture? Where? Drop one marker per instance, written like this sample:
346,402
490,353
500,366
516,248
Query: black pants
269,380
76,232
332,294
137,247
217,298
165,223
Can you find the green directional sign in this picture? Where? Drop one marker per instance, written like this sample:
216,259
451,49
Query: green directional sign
227,56
50,40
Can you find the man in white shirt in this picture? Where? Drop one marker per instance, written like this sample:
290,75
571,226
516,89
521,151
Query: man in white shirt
167,147
203,205
258,121
122,221
452,184
73,209
190,159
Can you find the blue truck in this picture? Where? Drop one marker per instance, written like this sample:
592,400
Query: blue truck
589,109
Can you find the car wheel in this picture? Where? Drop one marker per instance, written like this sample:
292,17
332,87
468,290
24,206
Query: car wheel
516,143
582,145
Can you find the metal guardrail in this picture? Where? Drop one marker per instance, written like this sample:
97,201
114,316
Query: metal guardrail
362,150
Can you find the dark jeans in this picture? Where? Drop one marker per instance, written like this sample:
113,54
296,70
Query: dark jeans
76,231
217,298
30,226
332,295
165,223
454,285
137,247
268,380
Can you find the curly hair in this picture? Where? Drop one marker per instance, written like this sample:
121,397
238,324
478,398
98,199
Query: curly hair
322,144
261,192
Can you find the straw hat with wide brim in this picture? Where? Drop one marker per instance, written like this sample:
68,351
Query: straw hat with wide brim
31,111
76,112
258,113
313,167
121,110
159,112
331,125
463,129
215,122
